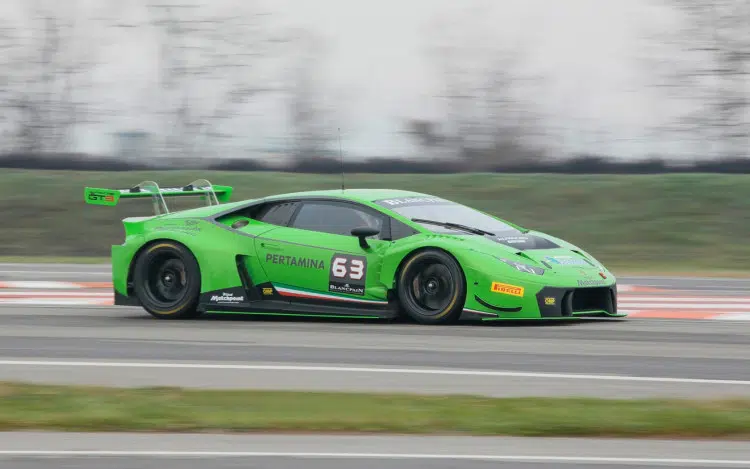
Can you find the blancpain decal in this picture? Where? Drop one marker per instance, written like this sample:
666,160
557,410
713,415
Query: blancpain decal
227,298
346,288
412,200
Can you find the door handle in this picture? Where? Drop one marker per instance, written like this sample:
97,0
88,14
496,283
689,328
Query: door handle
271,246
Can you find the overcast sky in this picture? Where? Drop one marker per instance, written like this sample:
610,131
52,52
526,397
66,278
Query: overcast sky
588,52
378,73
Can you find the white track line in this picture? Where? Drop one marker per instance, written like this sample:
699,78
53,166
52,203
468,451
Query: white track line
51,285
683,299
56,272
333,455
57,294
734,316
713,314
56,301
348,369
668,278
684,306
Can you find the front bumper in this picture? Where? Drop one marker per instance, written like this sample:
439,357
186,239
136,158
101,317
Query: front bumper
539,301
555,302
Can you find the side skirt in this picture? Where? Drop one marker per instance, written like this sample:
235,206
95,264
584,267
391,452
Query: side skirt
122,300
283,308
475,315
599,314
265,299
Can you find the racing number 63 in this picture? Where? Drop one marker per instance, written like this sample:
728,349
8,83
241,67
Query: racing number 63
355,269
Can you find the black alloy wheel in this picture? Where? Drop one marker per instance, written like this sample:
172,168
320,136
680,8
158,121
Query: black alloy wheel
431,287
167,281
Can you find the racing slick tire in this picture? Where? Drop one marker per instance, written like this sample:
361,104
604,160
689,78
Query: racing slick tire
167,281
432,288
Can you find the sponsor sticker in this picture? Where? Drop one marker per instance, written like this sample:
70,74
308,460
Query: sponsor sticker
507,289
101,196
166,190
513,239
347,288
566,260
267,291
591,283
348,274
305,262
411,201
227,298
549,301
190,227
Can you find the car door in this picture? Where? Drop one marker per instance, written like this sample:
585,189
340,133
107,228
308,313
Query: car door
317,257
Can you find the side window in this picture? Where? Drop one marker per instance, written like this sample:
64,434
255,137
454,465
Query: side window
277,214
335,218
401,230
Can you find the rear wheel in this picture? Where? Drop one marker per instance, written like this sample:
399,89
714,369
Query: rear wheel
167,281
432,288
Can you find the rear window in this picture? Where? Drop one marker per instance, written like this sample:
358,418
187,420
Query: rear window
278,214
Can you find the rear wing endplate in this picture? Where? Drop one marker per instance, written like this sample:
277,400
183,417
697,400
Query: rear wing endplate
214,195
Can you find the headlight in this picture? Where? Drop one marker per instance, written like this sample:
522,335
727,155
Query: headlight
526,268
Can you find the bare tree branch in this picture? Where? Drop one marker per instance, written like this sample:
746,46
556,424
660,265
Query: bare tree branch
309,116
209,71
43,66
711,70
481,80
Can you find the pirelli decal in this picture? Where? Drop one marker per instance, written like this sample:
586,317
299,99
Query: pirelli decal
506,289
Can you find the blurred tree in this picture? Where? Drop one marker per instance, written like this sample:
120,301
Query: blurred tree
211,59
487,116
426,133
711,71
6,45
310,117
45,67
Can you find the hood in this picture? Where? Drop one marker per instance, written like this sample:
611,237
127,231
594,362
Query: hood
542,250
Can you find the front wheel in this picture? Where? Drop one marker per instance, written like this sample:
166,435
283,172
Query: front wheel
167,281
432,288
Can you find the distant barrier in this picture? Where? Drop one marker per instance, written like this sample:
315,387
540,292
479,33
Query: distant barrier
584,164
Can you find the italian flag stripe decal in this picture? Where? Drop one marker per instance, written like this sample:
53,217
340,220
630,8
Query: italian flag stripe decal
297,293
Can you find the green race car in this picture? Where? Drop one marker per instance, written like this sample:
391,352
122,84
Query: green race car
364,253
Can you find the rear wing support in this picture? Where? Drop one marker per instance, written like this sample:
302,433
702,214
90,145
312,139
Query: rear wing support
213,195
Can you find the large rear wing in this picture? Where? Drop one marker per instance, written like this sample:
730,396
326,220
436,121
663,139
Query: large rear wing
214,195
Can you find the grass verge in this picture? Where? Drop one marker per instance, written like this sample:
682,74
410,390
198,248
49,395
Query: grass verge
68,408
639,223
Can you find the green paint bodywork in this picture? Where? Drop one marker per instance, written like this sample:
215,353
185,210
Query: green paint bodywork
217,247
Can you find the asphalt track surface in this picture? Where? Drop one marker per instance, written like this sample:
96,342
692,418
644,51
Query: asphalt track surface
62,451
611,359
84,272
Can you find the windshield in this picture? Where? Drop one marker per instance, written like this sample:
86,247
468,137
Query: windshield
441,210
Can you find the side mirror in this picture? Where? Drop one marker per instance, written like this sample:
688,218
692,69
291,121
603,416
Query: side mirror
364,232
